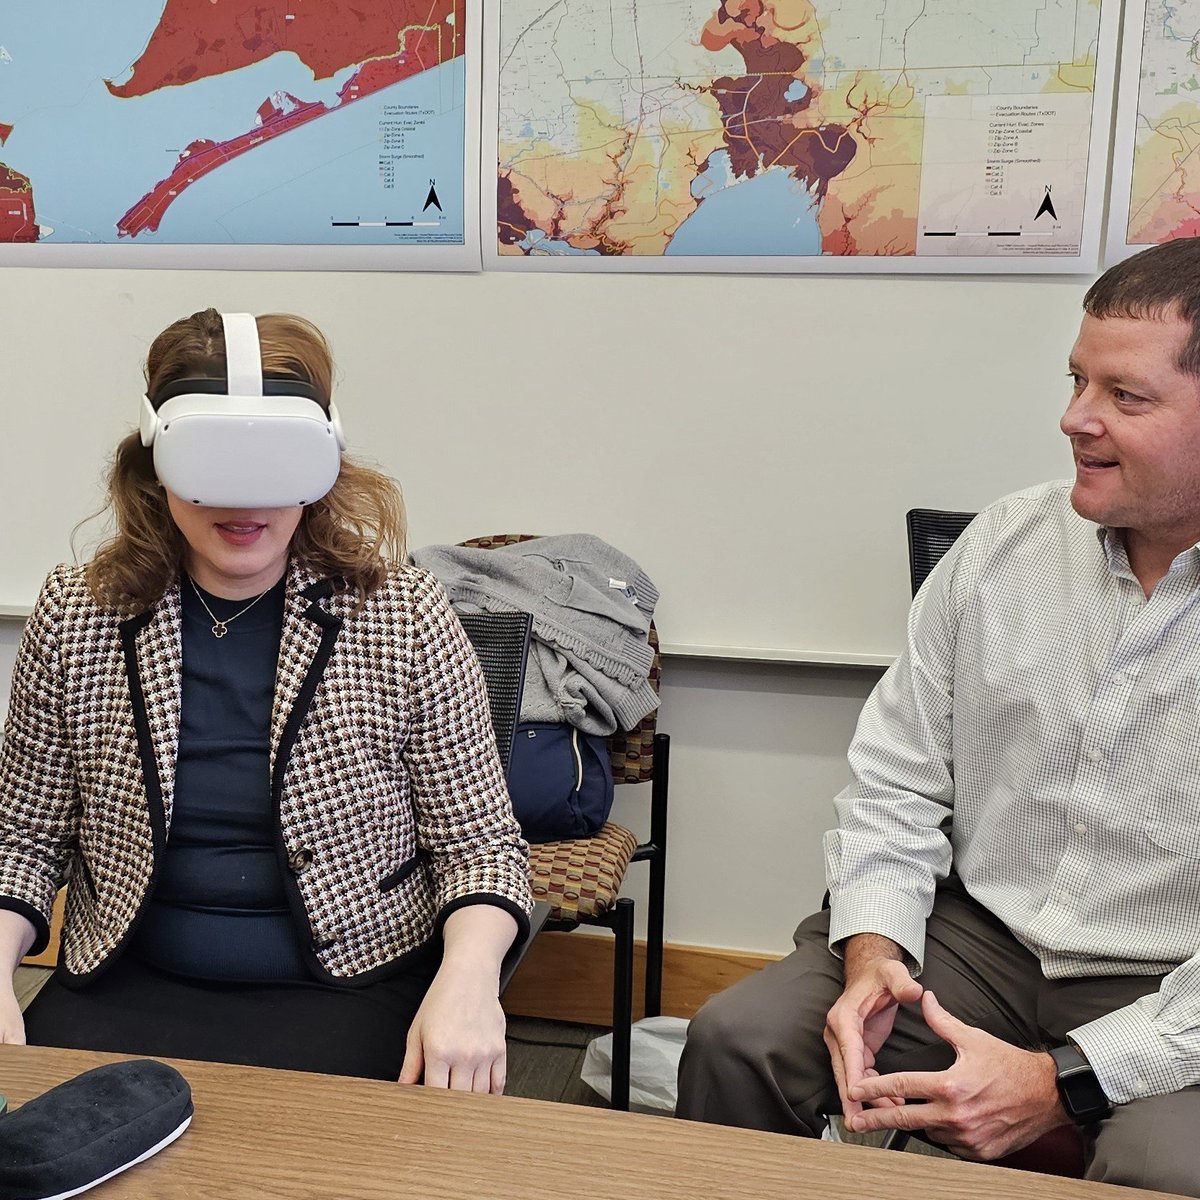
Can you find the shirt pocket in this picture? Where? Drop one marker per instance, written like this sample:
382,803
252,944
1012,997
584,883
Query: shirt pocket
1173,811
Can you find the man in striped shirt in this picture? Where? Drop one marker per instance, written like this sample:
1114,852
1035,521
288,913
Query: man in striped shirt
1012,946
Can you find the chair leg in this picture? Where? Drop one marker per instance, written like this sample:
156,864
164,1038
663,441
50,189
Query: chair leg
658,875
654,939
622,1001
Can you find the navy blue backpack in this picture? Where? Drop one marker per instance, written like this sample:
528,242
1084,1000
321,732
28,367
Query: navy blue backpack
560,780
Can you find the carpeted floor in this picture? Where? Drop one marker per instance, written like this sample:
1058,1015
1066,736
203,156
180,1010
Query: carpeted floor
544,1059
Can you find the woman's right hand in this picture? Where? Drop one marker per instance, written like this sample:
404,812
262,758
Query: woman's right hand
12,1023
16,936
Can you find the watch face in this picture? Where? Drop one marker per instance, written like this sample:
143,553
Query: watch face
1082,1096
1075,1098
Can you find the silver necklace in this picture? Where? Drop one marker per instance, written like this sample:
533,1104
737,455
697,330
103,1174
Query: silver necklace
221,628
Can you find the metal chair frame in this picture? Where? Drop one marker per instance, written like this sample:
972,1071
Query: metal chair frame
620,918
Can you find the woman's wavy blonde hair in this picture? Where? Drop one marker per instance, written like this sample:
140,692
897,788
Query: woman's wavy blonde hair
356,531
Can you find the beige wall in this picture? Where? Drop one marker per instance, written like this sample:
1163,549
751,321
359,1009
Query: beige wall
753,442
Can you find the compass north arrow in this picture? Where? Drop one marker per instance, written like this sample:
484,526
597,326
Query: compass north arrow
432,199
1047,206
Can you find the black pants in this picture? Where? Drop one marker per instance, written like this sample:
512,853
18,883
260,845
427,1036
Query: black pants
135,1009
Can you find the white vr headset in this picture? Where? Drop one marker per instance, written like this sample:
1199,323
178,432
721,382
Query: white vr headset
243,442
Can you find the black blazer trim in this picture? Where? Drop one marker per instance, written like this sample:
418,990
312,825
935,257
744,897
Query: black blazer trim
514,910
141,723
323,589
426,957
402,872
158,821
331,626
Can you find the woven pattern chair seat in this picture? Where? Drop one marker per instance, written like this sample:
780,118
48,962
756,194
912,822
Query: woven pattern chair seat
580,879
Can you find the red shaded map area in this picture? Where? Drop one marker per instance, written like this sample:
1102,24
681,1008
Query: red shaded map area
512,221
198,38
5,130
763,128
421,49
17,221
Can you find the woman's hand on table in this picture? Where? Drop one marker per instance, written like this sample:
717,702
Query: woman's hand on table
456,1039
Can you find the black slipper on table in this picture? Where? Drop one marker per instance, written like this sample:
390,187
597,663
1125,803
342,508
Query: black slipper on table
91,1128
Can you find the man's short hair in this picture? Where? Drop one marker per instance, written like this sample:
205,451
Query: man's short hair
1156,284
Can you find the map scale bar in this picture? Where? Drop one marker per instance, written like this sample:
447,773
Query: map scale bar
385,224
940,233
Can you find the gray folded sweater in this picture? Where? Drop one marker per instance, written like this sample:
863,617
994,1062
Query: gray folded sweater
590,658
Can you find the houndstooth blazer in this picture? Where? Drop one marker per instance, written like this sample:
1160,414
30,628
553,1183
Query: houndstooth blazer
390,802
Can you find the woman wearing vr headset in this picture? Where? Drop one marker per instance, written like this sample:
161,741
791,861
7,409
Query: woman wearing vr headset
258,747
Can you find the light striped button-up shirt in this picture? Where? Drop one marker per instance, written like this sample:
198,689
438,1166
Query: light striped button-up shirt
1054,710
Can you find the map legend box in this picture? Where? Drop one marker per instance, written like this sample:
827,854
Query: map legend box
1004,175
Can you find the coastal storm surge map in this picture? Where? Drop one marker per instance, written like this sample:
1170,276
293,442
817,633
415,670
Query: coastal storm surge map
307,128
1156,173
800,134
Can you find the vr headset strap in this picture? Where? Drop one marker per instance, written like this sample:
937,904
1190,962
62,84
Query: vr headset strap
243,358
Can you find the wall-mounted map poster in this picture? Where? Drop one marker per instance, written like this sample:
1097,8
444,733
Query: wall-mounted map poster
799,135
1156,176
269,133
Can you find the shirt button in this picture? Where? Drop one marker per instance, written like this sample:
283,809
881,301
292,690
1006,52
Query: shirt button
1095,756
1064,897
1081,828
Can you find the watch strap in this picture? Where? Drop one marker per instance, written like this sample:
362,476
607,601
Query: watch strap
1082,1096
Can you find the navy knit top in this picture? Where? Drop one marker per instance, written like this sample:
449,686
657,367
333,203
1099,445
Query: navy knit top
219,910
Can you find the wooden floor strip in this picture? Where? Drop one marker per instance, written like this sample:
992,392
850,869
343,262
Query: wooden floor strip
568,977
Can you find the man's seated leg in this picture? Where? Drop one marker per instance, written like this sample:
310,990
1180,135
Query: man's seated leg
1147,1143
979,972
754,1055
1151,1144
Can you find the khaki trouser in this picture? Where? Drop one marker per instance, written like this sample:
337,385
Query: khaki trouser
754,1054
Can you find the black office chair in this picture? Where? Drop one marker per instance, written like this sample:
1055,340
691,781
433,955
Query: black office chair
501,642
931,532
581,879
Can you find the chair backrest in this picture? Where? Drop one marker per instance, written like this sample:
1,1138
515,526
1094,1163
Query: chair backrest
931,532
501,642
630,751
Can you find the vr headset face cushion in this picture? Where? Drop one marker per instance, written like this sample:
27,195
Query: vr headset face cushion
90,1128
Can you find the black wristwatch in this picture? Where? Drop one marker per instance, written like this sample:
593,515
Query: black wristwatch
1082,1096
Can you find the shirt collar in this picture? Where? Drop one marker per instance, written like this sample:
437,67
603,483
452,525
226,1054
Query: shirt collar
1113,544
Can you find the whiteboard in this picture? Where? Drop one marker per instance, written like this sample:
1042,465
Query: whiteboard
753,441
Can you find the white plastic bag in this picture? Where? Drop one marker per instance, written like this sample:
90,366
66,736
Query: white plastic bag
654,1049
